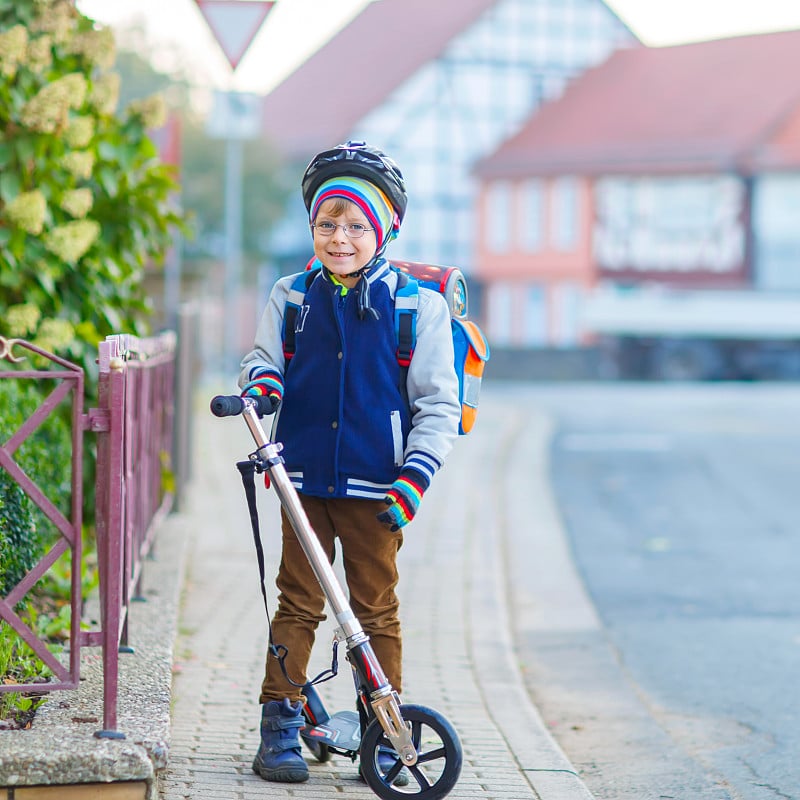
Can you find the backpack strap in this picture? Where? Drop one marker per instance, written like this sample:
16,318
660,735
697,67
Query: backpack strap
294,302
406,301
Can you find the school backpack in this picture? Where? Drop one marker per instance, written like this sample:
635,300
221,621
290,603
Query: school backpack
471,350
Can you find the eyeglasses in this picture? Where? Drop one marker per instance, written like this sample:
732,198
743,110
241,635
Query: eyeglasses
353,230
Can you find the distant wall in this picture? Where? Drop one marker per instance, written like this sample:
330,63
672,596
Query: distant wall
547,364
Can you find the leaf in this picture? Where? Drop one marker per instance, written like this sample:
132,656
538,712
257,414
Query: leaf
109,180
9,186
108,151
24,146
46,281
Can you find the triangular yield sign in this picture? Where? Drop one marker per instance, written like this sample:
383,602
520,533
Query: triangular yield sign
234,24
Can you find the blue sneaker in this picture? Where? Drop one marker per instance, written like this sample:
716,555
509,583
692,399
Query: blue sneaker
279,756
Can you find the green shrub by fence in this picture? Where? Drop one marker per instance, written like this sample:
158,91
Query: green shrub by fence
25,531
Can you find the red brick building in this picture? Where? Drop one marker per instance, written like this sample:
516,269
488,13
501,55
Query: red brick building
662,167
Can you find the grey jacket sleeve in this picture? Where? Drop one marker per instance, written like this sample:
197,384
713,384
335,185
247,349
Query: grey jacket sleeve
267,352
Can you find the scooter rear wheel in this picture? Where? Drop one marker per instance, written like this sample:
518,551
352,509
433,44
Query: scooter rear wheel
319,750
439,757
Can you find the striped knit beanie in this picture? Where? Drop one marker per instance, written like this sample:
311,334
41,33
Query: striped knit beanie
373,203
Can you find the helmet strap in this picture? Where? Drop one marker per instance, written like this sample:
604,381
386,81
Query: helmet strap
363,289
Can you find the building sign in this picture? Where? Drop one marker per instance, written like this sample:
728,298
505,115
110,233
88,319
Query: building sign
688,227
234,24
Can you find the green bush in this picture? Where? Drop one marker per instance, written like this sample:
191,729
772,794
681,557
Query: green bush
25,531
85,205
26,534
84,202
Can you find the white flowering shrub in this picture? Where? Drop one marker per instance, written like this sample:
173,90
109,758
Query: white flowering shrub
84,202
84,205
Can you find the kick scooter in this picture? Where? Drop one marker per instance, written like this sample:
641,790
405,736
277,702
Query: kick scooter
415,738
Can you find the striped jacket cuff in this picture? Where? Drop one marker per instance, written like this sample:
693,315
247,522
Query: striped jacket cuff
423,463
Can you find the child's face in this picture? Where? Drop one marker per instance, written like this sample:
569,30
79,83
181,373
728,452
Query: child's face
340,253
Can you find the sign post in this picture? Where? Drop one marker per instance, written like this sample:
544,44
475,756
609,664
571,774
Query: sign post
235,117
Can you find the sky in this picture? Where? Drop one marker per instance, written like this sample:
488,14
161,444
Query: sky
296,28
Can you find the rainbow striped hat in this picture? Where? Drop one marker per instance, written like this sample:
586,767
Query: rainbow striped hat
369,198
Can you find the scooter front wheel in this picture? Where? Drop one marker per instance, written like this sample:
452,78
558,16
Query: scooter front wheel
439,757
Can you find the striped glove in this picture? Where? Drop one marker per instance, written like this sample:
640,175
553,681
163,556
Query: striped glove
404,498
265,383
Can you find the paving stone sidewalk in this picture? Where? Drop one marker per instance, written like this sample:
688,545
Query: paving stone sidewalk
454,589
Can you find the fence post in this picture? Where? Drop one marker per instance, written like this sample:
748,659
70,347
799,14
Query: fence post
110,524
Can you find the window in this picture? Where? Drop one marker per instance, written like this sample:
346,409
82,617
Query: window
670,224
498,217
531,216
500,308
776,230
564,220
534,324
567,304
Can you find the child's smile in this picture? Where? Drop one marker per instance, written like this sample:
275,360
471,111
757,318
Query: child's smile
341,253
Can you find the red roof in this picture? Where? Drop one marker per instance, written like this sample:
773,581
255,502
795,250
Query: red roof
372,56
710,106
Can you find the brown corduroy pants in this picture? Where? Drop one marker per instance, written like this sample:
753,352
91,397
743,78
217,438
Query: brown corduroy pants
369,557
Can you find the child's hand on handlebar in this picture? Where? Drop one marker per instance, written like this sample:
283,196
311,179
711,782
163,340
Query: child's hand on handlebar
404,498
265,386
273,401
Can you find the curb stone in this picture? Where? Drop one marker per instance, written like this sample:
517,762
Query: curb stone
60,748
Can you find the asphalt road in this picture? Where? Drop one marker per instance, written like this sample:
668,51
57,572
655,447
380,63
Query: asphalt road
682,508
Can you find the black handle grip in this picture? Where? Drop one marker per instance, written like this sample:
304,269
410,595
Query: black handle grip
231,405
227,405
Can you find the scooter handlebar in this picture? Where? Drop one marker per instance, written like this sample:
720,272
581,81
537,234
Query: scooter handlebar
232,405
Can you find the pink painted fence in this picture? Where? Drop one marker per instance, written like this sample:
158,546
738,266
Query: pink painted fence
134,491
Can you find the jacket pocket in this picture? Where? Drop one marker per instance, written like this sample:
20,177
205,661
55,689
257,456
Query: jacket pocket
397,437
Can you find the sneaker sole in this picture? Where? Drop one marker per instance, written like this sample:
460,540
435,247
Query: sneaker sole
282,775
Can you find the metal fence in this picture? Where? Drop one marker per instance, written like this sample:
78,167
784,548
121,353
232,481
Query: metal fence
134,481
134,490
67,381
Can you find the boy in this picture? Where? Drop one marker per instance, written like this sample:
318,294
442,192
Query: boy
359,448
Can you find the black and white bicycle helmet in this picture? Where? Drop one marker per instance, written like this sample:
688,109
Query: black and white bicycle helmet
356,159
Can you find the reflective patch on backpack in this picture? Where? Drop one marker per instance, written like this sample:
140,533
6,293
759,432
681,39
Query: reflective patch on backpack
471,354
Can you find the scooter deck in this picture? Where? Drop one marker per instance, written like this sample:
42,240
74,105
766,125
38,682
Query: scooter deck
341,732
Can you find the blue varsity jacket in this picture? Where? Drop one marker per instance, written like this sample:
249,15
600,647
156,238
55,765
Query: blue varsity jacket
345,423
